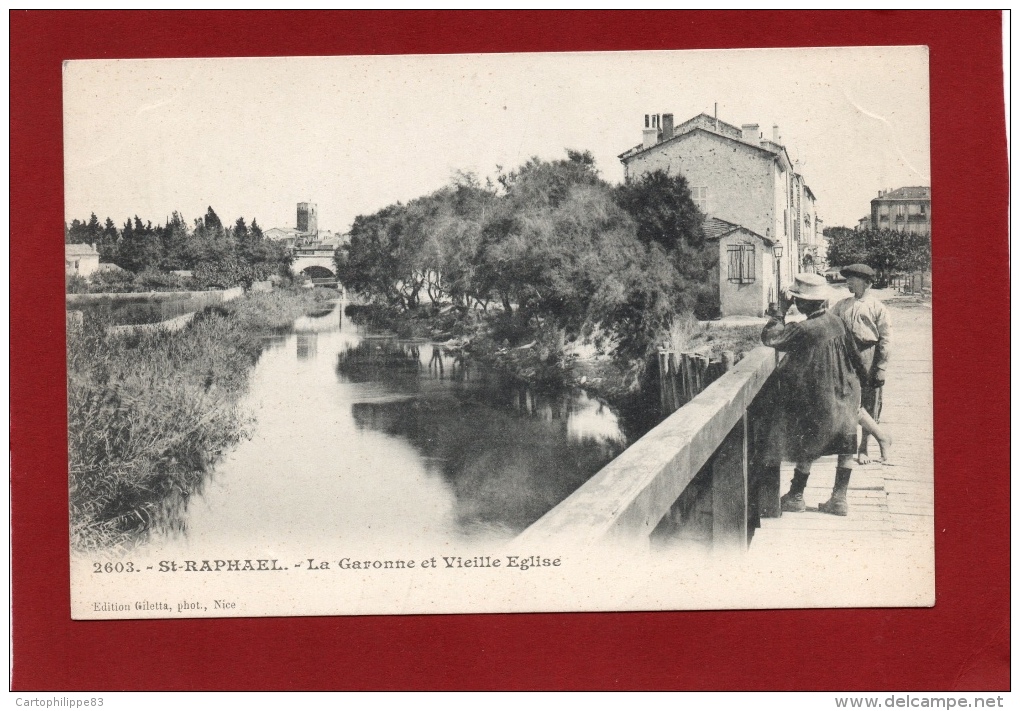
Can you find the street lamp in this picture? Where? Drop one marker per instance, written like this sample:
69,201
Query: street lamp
777,251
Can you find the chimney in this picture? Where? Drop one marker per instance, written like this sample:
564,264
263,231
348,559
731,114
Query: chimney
667,126
775,133
650,134
749,132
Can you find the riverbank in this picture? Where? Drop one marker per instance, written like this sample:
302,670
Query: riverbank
150,413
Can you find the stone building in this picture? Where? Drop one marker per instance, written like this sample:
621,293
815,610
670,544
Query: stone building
903,210
745,180
307,230
80,259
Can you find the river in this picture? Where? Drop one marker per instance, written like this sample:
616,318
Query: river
361,439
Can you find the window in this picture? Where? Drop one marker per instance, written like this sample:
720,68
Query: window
901,212
741,264
700,196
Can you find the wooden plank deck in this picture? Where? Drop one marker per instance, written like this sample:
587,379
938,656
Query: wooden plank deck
889,505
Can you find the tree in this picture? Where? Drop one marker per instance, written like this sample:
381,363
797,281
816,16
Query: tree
140,247
79,232
370,263
109,242
665,214
212,222
174,236
886,251
75,232
256,231
846,246
663,210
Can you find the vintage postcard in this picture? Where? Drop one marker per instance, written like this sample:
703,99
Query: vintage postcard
499,333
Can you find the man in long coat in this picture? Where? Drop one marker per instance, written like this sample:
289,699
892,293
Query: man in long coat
819,393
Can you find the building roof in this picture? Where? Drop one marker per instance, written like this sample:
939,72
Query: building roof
287,231
807,187
80,250
707,124
918,192
717,229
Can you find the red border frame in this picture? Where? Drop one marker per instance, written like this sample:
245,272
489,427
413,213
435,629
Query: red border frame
961,643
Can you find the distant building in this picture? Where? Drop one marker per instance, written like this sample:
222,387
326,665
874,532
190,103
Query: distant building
307,230
903,210
287,236
744,180
308,219
80,259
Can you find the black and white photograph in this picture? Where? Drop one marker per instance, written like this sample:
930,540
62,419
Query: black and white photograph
486,333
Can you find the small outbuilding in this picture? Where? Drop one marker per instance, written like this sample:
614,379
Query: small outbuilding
80,259
747,268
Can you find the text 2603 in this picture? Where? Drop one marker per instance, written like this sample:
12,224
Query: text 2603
117,567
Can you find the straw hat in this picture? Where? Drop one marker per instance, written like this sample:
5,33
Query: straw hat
811,287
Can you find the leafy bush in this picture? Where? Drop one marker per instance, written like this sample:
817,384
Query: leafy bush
75,284
112,281
154,280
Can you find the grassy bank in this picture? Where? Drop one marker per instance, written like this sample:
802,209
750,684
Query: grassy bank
149,414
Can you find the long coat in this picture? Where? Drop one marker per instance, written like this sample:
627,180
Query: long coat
819,391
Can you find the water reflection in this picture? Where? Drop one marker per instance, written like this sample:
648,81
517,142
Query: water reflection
509,453
359,437
506,468
307,345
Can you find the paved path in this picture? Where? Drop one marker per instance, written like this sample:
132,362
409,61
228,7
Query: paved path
889,505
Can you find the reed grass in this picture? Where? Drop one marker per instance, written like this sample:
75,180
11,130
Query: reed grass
150,414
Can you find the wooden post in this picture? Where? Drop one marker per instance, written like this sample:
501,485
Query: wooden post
769,492
728,359
702,372
691,376
673,394
729,491
663,375
764,475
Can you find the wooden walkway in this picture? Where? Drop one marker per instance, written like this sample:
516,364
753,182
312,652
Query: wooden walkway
889,505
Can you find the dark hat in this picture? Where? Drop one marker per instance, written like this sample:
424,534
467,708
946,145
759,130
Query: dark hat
858,270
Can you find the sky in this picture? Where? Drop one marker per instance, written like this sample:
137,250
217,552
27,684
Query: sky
252,137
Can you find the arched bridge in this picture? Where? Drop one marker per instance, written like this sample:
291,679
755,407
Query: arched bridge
317,264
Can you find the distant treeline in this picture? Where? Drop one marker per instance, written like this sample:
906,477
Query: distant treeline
217,255
887,251
549,245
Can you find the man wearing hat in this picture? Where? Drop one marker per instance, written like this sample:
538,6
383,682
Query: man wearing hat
869,322
819,392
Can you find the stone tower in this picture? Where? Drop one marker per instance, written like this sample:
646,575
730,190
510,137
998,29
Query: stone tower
307,218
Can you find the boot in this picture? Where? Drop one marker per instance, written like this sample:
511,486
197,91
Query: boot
836,505
793,500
